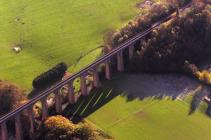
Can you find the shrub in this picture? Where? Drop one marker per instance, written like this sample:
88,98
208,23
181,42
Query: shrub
60,128
50,77
84,132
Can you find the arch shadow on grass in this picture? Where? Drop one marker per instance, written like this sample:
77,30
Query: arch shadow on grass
131,86
86,105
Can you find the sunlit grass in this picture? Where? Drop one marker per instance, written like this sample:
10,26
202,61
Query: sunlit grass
52,31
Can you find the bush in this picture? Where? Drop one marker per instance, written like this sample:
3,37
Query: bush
60,128
84,132
50,77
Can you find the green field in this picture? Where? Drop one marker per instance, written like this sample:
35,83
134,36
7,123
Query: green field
52,31
151,120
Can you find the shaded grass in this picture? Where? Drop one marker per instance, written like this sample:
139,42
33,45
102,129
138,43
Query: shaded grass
87,105
148,118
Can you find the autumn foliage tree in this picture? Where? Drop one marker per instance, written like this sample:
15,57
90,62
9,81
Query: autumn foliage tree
11,97
185,37
60,128
158,11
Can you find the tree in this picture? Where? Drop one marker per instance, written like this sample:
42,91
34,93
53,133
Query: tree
11,97
60,128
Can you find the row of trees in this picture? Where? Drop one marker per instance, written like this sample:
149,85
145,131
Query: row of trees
156,12
166,49
186,37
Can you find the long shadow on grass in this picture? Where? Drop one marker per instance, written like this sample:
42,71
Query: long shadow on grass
86,105
131,86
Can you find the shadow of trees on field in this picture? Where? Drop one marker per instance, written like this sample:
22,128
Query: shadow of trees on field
155,85
131,86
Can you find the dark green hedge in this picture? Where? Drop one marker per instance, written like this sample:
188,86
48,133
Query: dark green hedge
51,76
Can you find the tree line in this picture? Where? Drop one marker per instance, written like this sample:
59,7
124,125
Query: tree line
185,38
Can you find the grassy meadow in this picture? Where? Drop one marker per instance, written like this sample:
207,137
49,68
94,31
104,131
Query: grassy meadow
151,119
55,31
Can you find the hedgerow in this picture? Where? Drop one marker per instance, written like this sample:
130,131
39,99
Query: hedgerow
186,37
50,77
142,22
